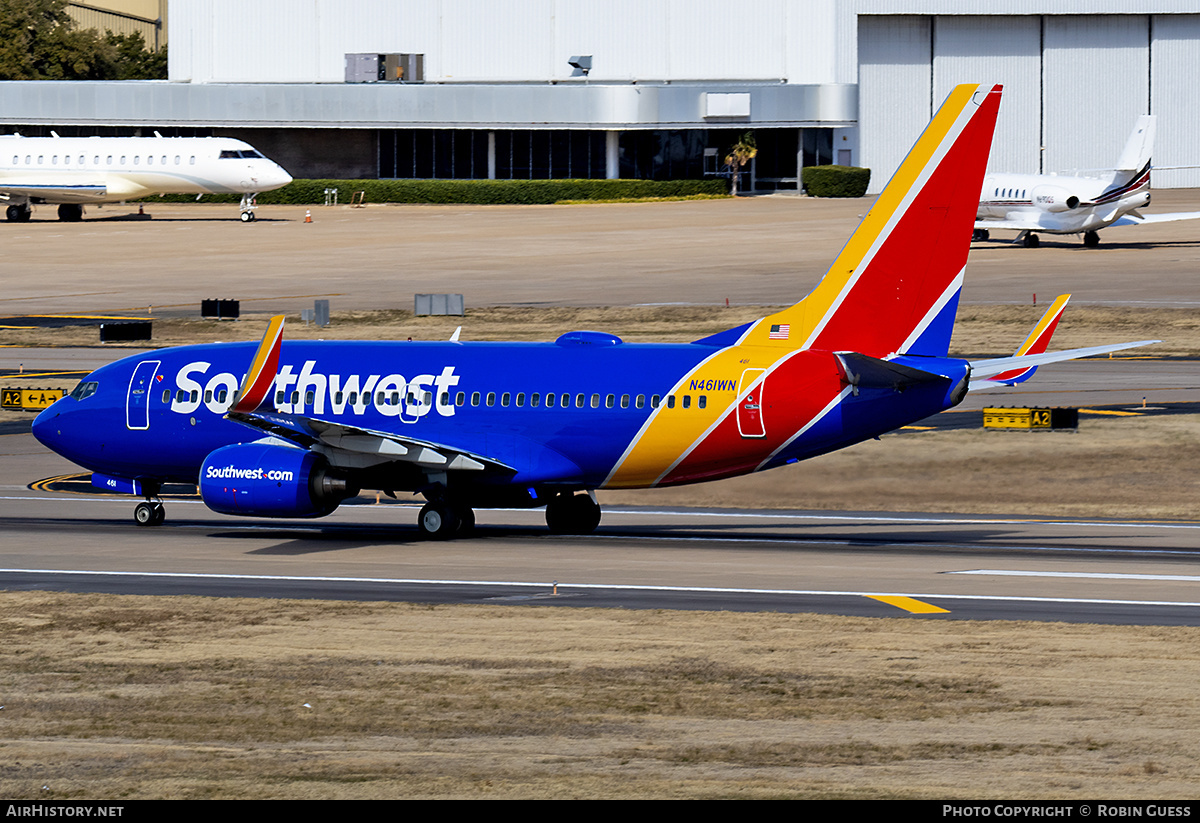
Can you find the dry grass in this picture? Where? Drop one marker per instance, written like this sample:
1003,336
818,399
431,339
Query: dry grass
986,330
131,697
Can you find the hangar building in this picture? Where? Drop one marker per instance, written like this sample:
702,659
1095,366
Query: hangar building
647,88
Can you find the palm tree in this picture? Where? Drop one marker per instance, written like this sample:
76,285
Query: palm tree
741,153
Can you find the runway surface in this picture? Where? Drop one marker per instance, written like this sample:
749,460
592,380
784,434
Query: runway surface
882,564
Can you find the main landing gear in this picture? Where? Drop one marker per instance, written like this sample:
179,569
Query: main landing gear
573,514
1030,241
19,214
1091,239
150,513
442,520
70,212
979,235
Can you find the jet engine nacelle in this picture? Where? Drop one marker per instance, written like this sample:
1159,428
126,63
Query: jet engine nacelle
261,480
1054,199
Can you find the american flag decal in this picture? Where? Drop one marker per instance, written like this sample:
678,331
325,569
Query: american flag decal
779,332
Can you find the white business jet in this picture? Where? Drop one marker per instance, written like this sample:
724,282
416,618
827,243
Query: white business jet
73,171
1067,204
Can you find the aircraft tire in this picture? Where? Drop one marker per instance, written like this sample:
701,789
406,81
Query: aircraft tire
466,521
70,212
980,235
18,214
1091,239
149,514
437,521
572,514
247,217
1032,241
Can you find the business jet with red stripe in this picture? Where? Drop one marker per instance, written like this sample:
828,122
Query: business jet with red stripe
76,171
469,425
1033,204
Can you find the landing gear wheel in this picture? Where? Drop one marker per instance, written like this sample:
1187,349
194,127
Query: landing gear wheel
70,212
979,235
1091,239
1032,241
572,514
466,521
248,217
18,214
149,514
437,521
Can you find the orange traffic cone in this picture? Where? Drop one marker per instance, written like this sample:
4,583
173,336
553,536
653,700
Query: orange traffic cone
307,216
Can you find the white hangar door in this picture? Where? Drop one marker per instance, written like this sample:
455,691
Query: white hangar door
1174,58
1006,50
894,90
1096,82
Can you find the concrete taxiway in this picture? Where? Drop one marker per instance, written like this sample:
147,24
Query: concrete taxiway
886,564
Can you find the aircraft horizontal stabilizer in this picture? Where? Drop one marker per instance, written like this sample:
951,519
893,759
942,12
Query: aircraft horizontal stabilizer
353,447
1135,219
983,369
863,372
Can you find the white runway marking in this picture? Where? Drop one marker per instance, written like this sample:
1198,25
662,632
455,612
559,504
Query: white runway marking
547,585
1184,578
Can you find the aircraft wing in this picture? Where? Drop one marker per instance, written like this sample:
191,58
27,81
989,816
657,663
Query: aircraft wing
1135,219
355,448
981,370
57,193
344,446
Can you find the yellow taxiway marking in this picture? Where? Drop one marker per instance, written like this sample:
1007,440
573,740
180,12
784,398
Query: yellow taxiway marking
917,428
909,604
1109,411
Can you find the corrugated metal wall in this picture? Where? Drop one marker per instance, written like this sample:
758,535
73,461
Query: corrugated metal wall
1010,54
304,41
1074,84
1174,61
1096,77
895,78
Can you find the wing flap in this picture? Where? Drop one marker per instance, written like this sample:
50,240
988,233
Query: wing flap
354,447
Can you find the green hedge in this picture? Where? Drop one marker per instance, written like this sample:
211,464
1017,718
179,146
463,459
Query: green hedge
835,181
475,192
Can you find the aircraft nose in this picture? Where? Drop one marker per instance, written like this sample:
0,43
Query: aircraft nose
44,427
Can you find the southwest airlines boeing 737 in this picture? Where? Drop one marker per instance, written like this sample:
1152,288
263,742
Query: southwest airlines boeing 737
293,429
74,171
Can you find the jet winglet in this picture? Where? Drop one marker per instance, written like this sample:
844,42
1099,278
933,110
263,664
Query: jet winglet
1036,343
256,385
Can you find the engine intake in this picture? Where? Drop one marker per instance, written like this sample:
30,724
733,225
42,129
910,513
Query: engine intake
259,480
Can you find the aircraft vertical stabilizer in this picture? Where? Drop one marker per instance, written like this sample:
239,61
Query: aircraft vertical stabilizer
1140,146
894,286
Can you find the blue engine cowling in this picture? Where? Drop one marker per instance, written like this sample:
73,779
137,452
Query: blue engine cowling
261,480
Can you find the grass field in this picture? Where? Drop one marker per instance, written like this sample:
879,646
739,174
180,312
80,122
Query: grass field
136,697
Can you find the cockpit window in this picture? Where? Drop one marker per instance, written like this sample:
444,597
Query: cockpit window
228,153
233,154
85,389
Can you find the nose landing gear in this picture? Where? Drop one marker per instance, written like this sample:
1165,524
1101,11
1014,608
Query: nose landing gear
150,513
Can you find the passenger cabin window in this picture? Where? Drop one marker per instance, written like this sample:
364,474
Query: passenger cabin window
475,398
549,400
